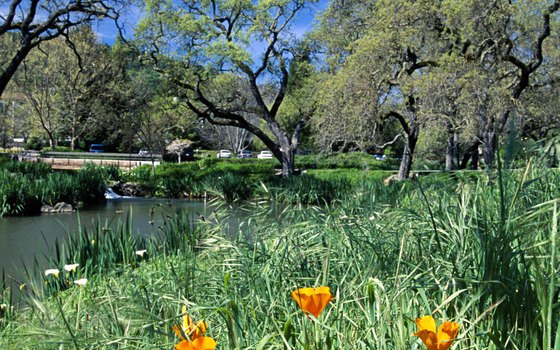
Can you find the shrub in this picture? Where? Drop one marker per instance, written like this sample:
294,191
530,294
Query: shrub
230,186
307,189
34,143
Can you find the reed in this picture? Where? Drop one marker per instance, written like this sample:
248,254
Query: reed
480,251
25,187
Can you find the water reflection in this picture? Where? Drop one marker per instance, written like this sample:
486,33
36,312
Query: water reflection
23,238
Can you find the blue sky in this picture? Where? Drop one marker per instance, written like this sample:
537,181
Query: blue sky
107,32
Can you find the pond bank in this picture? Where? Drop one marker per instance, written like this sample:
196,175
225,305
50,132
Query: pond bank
23,238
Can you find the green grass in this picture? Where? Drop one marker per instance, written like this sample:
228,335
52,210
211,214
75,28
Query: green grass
480,251
25,187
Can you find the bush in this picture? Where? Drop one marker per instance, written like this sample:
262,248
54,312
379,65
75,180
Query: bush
230,186
34,143
61,149
353,160
307,189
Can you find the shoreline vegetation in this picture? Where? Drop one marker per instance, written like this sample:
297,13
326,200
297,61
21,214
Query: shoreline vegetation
479,251
26,186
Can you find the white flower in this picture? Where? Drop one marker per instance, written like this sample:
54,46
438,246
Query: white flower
81,282
54,272
71,267
3,307
141,253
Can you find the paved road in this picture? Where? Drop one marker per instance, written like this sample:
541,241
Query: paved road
74,161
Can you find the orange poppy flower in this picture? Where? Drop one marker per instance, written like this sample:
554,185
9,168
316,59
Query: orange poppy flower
312,300
195,333
191,330
441,340
200,343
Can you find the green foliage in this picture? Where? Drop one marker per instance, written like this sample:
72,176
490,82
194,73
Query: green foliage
230,186
307,189
26,186
61,149
351,160
481,252
34,143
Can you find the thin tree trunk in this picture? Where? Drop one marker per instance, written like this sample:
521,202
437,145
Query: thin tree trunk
73,138
474,158
489,142
451,148
408,153
52,140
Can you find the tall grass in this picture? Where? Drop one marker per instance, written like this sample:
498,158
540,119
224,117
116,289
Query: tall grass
482,252
25,187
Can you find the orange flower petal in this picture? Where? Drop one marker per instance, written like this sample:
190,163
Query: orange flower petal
198,330
427,332
301,296
184,345
187,322
204,343
426,323
446,334
312,300
178,332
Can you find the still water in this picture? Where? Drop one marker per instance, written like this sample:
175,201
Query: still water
23,238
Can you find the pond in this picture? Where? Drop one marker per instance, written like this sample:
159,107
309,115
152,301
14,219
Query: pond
23,238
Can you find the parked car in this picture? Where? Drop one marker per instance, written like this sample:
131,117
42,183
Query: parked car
265,155
245,154
97,148
144,152
224,153
379,156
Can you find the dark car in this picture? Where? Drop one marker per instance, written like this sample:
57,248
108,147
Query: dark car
97,148
245,154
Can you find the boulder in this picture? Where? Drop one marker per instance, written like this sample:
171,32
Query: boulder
129,189
63,207
391,179
58,208
47,209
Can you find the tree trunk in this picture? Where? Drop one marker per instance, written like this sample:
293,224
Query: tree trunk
451,148
471,154
11,69
489,142
288,163
474,158
408,153
52,141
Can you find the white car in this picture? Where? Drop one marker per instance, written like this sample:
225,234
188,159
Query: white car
224,153
144,152
265,155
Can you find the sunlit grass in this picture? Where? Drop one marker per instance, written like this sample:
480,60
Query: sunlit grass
479,252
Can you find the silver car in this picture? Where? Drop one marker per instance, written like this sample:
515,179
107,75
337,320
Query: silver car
265,155
224,153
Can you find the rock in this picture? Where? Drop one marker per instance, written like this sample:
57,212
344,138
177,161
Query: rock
63,207
58,208
129,189
391,179
47,209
